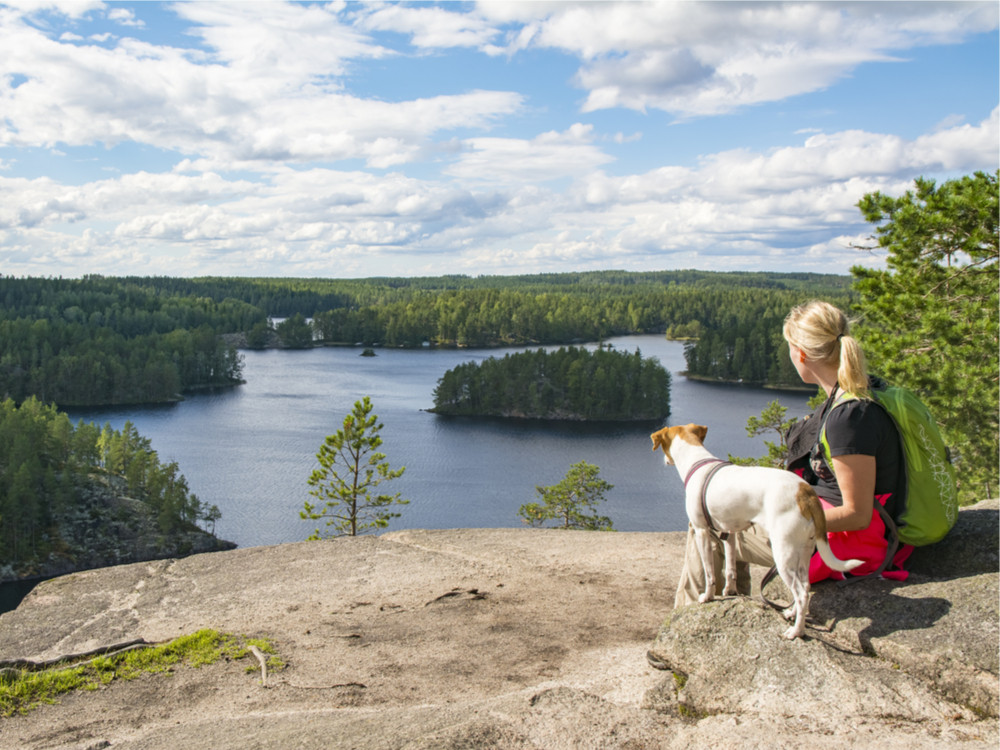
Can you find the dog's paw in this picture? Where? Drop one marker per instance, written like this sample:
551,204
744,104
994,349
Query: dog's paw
793,632
706,597
729,590
788,613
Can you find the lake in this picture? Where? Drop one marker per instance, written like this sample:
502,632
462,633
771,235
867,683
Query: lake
249,450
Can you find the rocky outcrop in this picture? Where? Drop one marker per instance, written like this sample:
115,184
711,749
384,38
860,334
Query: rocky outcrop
107,527
521,638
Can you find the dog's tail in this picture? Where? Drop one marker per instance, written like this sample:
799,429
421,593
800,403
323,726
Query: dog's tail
810,507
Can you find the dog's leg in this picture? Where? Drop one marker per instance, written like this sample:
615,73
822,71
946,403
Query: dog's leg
801,594
795,574
729,545
805,554
704,543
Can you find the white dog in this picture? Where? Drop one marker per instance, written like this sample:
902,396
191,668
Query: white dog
735,497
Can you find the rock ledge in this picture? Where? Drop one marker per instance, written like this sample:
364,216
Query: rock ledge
521,638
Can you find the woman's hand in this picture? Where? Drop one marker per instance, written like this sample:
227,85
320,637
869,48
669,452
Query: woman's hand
856,479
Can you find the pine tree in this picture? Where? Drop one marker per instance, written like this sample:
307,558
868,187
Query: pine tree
568,501
349,502
772,419
930,320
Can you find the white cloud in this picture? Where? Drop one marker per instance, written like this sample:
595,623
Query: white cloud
546,157
959,148
620,137
269,90
742,209
257,110
68,8
282,43
125,17
696,59
430,26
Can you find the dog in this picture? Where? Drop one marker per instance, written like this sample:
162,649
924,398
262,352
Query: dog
727,498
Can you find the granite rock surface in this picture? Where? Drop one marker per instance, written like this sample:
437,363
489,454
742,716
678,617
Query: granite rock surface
520,638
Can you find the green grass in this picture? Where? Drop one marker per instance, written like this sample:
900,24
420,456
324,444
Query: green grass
29,689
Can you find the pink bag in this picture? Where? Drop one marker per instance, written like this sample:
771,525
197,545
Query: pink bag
868,544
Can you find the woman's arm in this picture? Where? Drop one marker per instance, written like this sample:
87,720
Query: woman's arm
856,479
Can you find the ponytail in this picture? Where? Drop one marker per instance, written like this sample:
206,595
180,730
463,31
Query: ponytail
852,374
821,331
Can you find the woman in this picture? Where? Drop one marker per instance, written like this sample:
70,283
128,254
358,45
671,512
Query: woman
859,465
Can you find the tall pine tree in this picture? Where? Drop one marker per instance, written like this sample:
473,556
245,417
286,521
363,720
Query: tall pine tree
930,319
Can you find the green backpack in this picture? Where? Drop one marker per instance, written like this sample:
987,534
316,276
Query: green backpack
927,506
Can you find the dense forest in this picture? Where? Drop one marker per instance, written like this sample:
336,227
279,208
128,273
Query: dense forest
104,340
571,383
283,297
68,493
97,341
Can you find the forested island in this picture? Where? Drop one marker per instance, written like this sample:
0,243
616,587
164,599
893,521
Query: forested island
80,496
568,384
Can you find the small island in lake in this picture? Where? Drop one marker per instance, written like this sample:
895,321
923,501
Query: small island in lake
570,383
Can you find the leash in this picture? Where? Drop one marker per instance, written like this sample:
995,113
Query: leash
719,463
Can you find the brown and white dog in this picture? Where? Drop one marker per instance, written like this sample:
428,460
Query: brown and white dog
730,498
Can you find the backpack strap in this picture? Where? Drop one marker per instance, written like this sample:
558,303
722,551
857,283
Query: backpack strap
821,448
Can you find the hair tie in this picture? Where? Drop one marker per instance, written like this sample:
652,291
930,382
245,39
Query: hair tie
840,336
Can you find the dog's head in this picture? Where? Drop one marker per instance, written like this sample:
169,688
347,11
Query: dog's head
689,433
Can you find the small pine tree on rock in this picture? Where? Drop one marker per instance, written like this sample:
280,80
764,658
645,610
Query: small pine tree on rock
349,501
569,501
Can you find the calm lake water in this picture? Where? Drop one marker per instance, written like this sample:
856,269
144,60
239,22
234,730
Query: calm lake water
251,449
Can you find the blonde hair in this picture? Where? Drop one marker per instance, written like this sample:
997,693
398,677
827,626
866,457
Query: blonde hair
821,331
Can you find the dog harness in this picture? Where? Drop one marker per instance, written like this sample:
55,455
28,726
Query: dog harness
718,464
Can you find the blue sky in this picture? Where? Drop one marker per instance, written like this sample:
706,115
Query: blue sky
413,139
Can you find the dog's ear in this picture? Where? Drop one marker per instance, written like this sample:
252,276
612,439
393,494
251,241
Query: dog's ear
700,430
659,439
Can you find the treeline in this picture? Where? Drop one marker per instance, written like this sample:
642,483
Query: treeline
570,383
105,340
113,341
53,475
284,297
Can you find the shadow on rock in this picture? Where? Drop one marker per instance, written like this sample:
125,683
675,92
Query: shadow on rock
876,600
969,549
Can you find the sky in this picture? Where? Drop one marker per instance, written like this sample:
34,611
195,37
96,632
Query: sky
347,140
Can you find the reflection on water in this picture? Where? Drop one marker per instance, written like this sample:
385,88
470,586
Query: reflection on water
251,449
